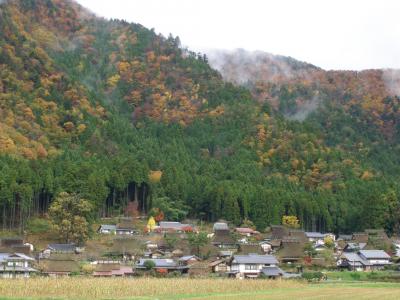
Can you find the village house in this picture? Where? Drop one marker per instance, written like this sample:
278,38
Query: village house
188,260
59,264
16,265
126,228
278,232
220,226
162,265
360,237
112,270
269,246
15,245
316,238
246,231
250,265
292,250
272,272
171,227
107,229
354,247
220,266
364,260
61,248
222,236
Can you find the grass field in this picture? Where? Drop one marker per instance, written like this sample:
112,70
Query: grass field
153,288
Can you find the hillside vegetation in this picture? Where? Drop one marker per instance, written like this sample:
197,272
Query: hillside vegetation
117,113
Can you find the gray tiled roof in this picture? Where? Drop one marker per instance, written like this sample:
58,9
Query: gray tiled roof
14,256
161,263
62,247
173,225
254,259
108,227
369,254
220,226
354,258
316,235
355,246
272,271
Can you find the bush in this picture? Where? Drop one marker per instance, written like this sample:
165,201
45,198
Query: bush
355,276
38,225
149,264
313,276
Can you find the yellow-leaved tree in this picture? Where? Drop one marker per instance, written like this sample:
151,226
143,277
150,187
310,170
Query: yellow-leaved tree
290,221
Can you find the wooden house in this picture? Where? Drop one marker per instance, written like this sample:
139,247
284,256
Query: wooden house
16,265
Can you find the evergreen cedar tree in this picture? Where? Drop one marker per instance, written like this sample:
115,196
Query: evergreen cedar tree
116,113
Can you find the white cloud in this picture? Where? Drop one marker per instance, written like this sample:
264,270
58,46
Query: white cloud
333,34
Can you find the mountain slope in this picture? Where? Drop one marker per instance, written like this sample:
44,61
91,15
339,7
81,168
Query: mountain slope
113,111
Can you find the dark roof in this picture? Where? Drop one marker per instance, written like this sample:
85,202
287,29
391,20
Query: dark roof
272,271
62,247
254,259
6,242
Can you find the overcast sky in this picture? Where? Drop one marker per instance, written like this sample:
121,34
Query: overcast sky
332,34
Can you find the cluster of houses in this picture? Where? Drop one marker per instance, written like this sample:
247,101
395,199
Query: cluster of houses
238,252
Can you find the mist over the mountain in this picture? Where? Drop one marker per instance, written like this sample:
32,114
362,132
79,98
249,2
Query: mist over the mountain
118,113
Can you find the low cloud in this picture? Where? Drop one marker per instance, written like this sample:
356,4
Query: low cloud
391,77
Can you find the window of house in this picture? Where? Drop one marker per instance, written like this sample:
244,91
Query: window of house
251,267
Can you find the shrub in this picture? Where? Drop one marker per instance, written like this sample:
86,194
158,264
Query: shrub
149,264
313,276
355,276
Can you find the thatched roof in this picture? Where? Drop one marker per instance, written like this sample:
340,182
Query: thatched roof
278,231
59,266
291,250
7,242
125,246
223,239
107,267
299,234
247,249
360,237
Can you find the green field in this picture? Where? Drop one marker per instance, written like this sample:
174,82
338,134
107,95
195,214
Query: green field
181,288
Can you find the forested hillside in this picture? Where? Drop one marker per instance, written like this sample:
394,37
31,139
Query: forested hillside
117,113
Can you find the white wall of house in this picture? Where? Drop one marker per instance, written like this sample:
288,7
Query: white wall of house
378,261
248,268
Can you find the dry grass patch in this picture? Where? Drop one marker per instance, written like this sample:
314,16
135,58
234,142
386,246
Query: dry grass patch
98,288
184,288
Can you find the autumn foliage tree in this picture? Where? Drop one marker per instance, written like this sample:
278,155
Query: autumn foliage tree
70,215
